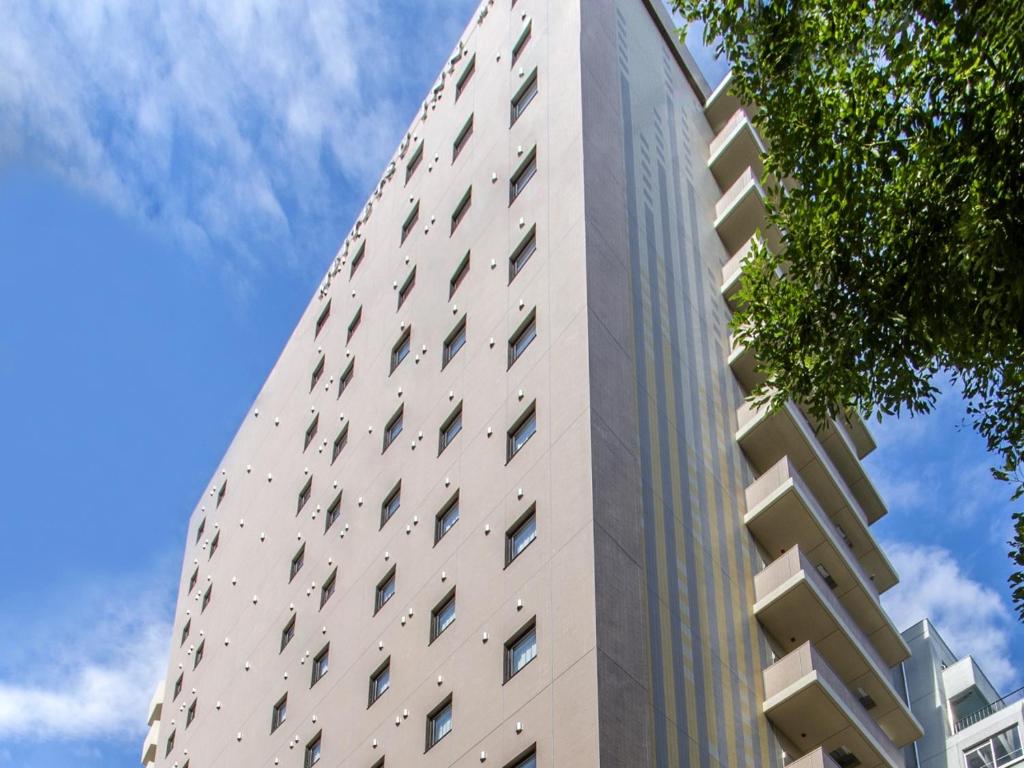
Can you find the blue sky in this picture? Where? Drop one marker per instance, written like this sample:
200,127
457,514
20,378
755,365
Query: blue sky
174,179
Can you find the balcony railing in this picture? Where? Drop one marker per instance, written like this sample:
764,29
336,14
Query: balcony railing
991,709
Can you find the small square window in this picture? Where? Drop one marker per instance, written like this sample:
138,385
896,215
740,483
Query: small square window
214,544
401,349
380,681
222,492
446,518
346,377
410,221
297,562
170,744
462,209
393,428
462,139
357,260
321,662
527,760
333,513
439,722
185,630
455,341
521,535
521,178
442,617
523,97
522,254
414,162
522,338
207,596
311,432
391,505
304,496
458,275
521,432
288,633
312,752
385,590
200,529
524,38
317,373
193,579
354,324
279,714
521,650
406,289
190,715
339,443
198,654
178,685
327,590
321,321
465,77
450,429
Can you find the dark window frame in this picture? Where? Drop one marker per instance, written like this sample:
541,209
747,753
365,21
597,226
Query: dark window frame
353,325
522,254
444,439
510,535
375,692
298,560
452,504
346,376
328,588
530,627
318,373
462,138
386,512
357,259
333,513
511,449
321,320
304,496
522,176
446,703
397,354
410,222
524,97
458,275
391,434
414,162
406,288
520,45
514,352
436,630
461,209
311,430
314,751
317,673
447,355
379,598
339,443
279,713
465,77
287,633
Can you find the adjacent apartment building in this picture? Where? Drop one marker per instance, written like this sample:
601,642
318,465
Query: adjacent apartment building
967,722
501,501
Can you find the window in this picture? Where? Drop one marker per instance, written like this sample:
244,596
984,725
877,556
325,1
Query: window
333,513
170,744
393,428
304,496
521,178
279,714
317,373
322,320
178,685
385,590
442,616
522,338
462,139
207,596
200,529
288,633
461,209
522,254
380,681
414,162
406,289
297,561
193,579
522,431
346,377
185,630
214,544
458,275
190,715
401,349
521,650
354,324
450,429
410,221
528,760
357,260
320,664
446,518
844,758
524,96
439,722
521,535
222,492
455,341
1001,749
327,590
465,77
311,432
198,655
339,443
391,504
312,752
524,38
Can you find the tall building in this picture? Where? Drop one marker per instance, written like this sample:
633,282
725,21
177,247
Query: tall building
500,500
967,722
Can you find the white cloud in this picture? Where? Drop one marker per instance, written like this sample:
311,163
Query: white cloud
972,618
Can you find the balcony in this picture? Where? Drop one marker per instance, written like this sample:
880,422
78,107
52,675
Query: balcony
733,271
795,605
766,438
149,746
1016,697
816,759
737,146
810,706
156,704
741,212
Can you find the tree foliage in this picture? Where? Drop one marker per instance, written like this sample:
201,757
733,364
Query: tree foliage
903,122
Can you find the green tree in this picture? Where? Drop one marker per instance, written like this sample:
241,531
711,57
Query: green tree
903,122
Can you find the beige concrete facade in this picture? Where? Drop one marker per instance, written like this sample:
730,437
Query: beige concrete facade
657,497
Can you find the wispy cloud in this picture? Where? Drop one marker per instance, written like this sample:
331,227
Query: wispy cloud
973,618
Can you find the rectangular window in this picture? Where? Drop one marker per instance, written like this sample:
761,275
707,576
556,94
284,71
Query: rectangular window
200,529
410,221
380,681
522,338
521,178
193,579
327,590
206,598
442,616
214,544
317,373
198,655
297,561
524,38
311,432
190,715
521,535
354,324
288,633
312,752
357,260
279,713
401,349
844,758
391,505
439,722
455,341
222,492
333,513
178,685
521,650
406,289
521,432
185,630
462,139
346,378
339,443
528,760
446,518
462,209
321,662
393,428
524,96
522,254
465,77
458,275
414,162
450,429
385,590
1001,749
170,744
304,496
322,320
